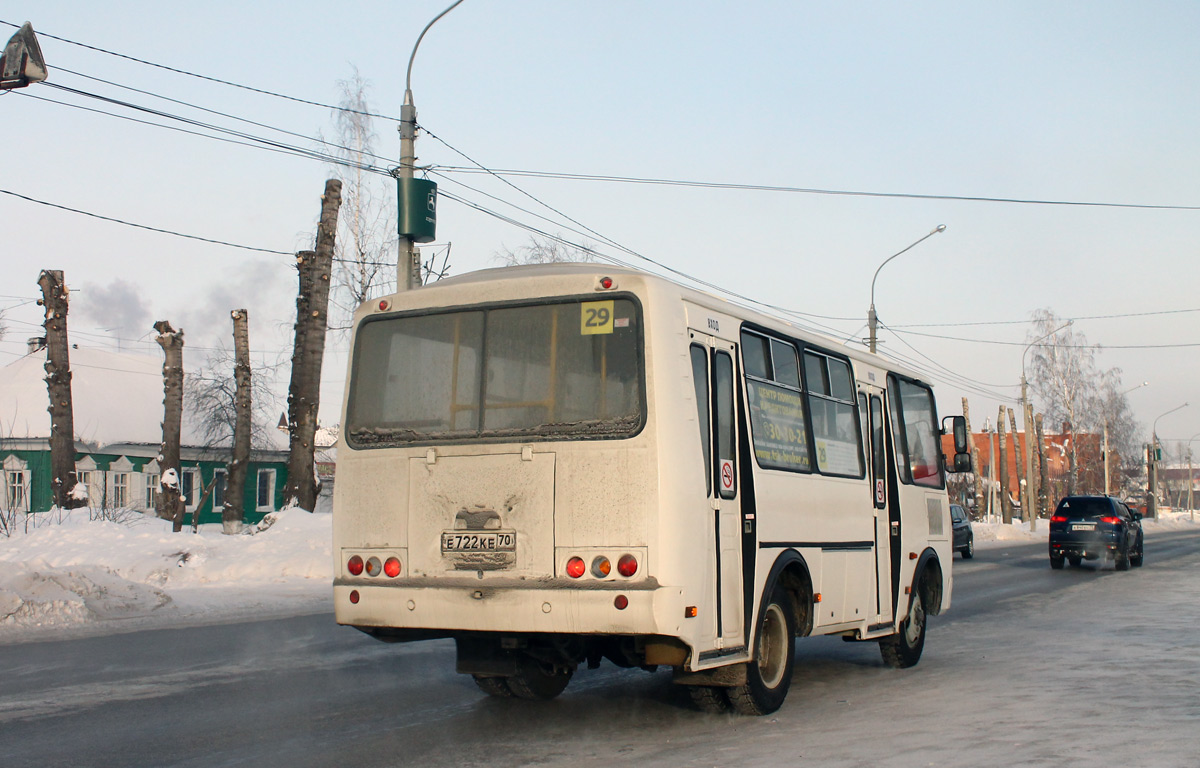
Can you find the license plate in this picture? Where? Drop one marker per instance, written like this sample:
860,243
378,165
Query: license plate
1086,527
479,541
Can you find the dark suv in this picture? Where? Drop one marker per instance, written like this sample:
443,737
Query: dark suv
1091,527
964,536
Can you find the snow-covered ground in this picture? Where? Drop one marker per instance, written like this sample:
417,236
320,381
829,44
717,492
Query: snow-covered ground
68,575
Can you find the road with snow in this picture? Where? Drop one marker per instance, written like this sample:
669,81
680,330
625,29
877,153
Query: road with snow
1032,667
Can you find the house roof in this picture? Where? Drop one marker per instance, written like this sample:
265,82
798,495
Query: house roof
117,398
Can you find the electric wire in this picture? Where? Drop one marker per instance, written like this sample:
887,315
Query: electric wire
817,190
199,76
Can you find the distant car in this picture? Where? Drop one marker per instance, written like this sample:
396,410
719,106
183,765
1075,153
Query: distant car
1094,527
964,536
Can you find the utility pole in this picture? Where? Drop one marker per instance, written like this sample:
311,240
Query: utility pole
417,198
58,385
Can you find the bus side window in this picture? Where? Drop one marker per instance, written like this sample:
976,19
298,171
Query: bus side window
726,438
700,380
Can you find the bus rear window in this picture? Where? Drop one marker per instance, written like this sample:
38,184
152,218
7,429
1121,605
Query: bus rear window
548,371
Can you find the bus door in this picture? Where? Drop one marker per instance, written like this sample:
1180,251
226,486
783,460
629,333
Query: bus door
714,372
883,498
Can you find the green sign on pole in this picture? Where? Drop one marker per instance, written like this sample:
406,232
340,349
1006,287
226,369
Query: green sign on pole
418,209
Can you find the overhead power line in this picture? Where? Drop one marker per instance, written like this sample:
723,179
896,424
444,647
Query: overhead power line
811,190
143,226
202,77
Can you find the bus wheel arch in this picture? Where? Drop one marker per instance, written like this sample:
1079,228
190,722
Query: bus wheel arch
790,572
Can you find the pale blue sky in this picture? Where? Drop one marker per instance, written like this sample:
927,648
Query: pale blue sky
1033,100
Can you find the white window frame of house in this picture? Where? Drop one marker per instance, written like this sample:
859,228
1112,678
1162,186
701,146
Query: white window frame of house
15,496
87,473
189,503
120,470
270,505
120,488
151,477
219,486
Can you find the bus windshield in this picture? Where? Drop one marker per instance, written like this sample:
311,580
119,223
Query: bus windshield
546,371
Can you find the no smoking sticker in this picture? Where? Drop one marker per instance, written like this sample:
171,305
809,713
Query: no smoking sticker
726,475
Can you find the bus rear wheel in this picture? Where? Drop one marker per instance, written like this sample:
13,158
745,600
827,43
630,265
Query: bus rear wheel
494,686
536,679
769,674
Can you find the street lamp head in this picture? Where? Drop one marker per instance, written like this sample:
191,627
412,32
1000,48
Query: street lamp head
940,228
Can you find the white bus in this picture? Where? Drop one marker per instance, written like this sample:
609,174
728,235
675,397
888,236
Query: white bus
558,464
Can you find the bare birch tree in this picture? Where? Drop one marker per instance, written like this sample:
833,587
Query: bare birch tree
365,249
542,250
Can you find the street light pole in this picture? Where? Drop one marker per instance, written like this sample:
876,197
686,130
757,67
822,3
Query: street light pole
1027,415
872,319
1106,473
1152,480
411,228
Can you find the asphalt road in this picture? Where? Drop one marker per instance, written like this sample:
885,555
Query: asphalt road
305,692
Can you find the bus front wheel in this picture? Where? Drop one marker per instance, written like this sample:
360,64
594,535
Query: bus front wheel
769,674
903,649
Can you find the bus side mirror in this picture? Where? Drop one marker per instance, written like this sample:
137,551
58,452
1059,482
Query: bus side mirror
962,456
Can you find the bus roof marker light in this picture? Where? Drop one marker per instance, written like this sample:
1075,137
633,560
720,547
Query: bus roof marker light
383,305
605,283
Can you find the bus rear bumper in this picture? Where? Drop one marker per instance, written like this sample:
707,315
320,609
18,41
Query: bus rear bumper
446,611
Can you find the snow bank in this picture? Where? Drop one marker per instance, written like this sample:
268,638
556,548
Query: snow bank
84,574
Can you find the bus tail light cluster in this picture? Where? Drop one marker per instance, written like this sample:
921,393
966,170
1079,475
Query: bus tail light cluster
374,566
601,566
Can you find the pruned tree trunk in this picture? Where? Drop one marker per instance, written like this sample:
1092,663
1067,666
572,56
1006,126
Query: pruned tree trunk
1022,483
1005,501
200,504
170,503
304,392
234,512
1044,485
58,385
975,465
1068,429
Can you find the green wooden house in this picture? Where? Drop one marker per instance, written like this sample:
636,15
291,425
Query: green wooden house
117,401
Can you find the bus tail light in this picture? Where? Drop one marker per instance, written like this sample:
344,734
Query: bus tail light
355,566
392,567
620,602
576,567
627,565
601,567
374,566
